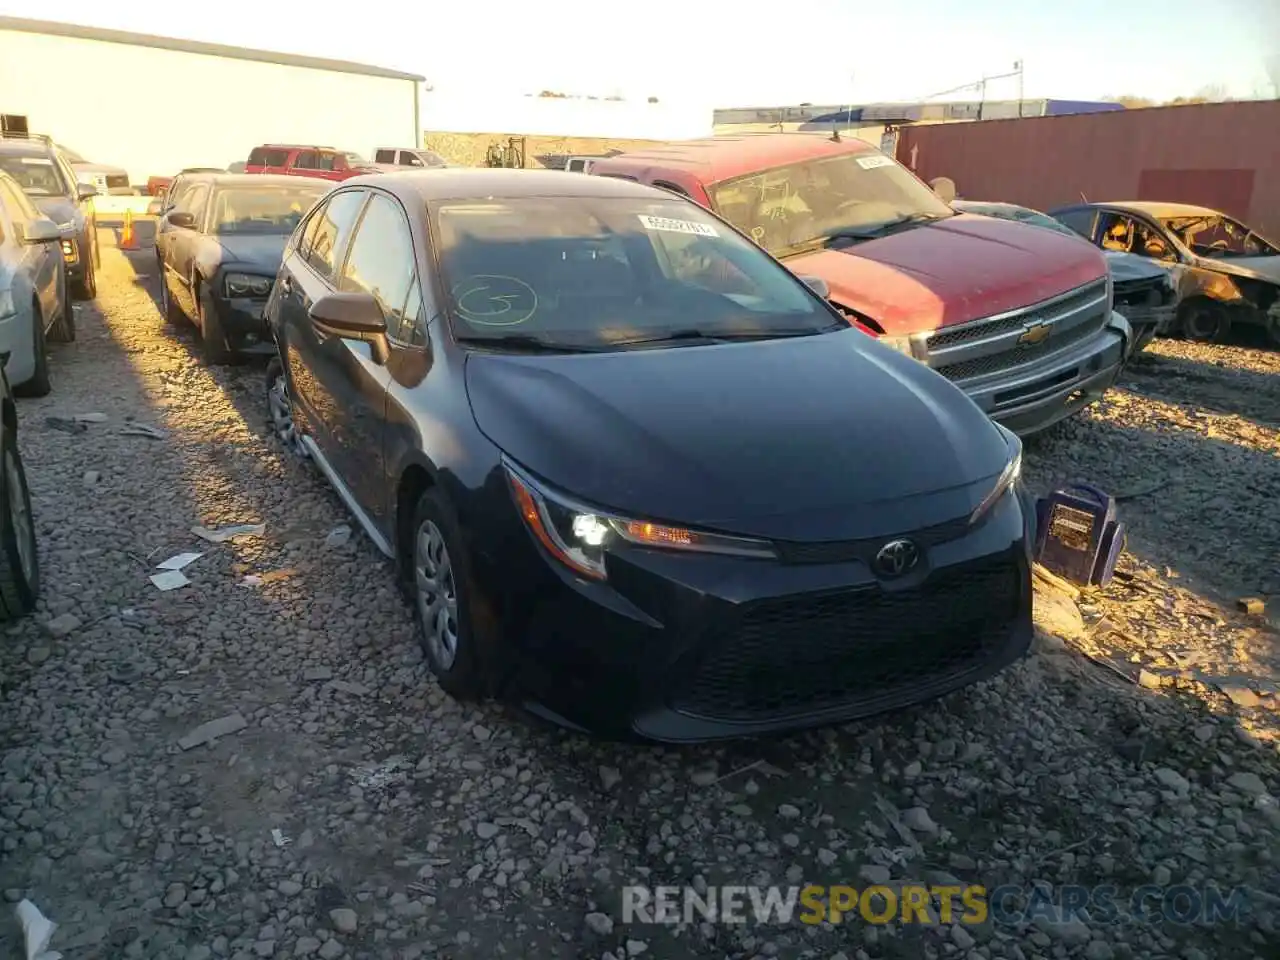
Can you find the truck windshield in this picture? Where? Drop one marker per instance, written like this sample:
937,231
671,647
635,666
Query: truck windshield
797,206
255,210
37,176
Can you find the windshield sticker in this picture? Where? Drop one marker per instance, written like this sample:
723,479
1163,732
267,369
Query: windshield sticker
870,163
677,226
36,161
491,300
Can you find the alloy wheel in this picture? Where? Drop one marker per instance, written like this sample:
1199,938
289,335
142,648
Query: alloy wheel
281,412
437,594
20,517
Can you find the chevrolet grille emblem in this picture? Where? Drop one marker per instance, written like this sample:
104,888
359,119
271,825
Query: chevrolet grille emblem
1035,333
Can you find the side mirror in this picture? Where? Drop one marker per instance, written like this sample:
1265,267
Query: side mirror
352,316
41,230
86,191
179,218
817,285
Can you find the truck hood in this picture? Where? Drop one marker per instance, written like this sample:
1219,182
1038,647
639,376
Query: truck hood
956,270
1256,268
828,437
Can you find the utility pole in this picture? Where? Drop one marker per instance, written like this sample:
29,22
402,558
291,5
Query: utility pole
1018,66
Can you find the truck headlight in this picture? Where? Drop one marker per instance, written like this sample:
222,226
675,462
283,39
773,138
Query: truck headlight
247,285
1005,481
579,536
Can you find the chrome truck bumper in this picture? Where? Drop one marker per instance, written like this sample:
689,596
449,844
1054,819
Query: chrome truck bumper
1032,367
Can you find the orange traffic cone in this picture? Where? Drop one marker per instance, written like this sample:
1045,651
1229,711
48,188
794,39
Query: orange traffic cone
127,239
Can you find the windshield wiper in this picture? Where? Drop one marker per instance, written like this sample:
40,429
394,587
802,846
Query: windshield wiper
880,229
722,336
527,343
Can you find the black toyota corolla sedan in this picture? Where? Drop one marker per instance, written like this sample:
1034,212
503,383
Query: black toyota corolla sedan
635,475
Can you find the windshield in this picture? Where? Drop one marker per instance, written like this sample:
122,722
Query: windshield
1218,236
266,210
37,176
795,206
609,273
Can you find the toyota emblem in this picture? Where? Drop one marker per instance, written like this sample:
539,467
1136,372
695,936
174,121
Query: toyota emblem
897,557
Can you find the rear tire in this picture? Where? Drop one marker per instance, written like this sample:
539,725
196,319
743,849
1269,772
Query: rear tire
444,606
19,559
86,288
64,328
280,410
1204,321
39,384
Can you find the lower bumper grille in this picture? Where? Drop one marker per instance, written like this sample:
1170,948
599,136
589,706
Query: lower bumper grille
802,655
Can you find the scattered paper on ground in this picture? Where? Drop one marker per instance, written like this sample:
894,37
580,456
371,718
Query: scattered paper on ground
170,580
223,534
178,561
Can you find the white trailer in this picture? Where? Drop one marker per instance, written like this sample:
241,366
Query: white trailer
154,105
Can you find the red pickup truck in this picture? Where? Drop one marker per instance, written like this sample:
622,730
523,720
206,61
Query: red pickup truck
1019,317
325,163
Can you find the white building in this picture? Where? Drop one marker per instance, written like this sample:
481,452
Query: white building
154,105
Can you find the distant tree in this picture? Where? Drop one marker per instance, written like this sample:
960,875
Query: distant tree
552,93
653,99
1131,102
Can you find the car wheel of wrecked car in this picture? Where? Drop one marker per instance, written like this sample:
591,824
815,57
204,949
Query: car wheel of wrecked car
442,598
39,385
280,409
1204,321
64,328
19,562
167,307
213,341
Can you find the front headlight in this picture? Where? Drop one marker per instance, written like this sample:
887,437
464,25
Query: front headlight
1008,477
7,309
579,536
247,285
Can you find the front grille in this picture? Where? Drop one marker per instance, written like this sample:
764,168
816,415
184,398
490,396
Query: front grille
800,655
994,362
981,329
984,347
846,551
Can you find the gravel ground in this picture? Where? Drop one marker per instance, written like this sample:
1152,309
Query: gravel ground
416,827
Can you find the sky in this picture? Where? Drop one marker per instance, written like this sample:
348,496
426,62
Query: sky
728,53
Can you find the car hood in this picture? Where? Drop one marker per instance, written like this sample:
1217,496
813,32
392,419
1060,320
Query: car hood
1257,268
1130,266
260,252
58,209
959,269
827,437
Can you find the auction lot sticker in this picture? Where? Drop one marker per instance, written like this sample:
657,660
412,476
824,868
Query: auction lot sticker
870,163
677,226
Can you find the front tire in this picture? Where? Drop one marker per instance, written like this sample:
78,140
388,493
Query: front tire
39,385
1204,321
19,560
86,288
64,328
444,598
213,341
280,409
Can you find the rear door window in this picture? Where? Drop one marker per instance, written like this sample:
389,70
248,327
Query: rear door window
326,161
333,228
384,156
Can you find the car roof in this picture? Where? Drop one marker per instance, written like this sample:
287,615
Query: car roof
1157,209
719,158
255,180
477,183
293,146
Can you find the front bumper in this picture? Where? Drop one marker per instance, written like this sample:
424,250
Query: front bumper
1148,323
244,324
1033,398
680,648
